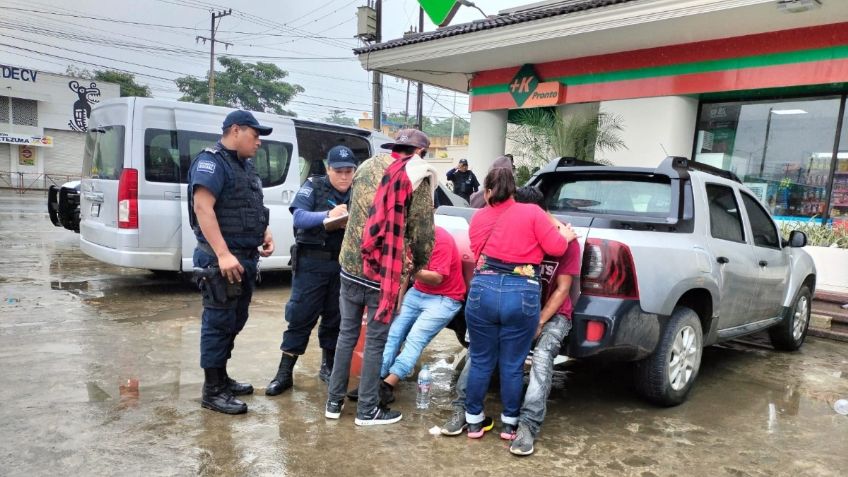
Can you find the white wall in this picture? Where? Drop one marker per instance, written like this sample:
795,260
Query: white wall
53,92
487,138
653,129
65,157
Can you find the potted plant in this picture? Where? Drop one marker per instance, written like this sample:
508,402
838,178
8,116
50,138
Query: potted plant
828,245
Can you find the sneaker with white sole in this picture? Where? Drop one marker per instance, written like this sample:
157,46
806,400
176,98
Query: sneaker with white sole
523,442
334,409
456,424
378,417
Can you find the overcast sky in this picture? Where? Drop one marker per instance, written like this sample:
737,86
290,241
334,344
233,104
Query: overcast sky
49,35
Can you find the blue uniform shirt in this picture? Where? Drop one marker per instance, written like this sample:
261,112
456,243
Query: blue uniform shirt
214,173
304,201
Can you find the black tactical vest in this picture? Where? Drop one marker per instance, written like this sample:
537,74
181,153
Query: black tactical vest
317,236
241,213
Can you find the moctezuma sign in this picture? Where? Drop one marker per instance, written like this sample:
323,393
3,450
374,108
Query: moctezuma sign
441,12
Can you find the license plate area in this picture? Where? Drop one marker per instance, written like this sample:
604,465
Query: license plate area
95,210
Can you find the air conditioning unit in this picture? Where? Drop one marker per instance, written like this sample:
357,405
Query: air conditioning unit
797,6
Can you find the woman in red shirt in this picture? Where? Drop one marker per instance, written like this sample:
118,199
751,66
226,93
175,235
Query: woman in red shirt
508,240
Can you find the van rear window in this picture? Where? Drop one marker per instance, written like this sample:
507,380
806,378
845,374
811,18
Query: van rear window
104,153
645,197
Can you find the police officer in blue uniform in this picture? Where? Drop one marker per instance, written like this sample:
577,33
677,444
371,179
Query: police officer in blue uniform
229,218
320,210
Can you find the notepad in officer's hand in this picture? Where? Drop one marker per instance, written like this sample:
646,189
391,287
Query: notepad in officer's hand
335,223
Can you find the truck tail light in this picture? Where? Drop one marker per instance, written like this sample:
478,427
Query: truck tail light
608,270
595,331
128,199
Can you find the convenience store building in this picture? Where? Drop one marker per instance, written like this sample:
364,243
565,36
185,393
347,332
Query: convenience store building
757,87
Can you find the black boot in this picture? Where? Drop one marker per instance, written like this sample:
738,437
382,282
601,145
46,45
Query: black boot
328,356
237,388
387,393
283,380
217,395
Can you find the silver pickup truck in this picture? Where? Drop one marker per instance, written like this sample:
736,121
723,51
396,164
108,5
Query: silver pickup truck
674,259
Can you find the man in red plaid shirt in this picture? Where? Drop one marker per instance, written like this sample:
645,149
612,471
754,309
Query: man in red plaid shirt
389,236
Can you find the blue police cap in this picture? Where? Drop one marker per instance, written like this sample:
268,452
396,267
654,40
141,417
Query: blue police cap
340,157
245,118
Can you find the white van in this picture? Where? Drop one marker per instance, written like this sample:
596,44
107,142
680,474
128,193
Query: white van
133,210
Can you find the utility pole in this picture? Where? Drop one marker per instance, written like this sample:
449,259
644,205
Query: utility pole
406,109
212,40
377,86
420,105
453,117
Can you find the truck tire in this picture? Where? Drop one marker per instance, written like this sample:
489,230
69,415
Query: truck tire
789,334
666,377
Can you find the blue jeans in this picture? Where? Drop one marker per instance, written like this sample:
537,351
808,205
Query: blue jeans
421,318
223,319
502,312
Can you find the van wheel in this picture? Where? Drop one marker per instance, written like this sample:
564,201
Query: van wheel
666,377
789,334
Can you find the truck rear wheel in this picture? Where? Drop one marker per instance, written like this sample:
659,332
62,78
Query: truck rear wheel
789,334
666,377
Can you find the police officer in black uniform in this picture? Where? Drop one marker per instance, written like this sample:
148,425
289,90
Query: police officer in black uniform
320,211
228,216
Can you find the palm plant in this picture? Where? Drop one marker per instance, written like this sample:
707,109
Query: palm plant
542,133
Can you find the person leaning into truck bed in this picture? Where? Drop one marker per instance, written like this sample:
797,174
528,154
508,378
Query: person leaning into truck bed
227,213
508,241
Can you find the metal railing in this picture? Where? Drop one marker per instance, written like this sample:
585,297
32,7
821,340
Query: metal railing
21,182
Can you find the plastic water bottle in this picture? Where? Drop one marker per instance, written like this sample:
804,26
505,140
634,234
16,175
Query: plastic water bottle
840,406
422,400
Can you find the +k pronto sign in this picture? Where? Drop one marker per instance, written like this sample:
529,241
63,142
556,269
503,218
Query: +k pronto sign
529,92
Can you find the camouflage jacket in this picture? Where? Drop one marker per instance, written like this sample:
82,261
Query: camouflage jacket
420,229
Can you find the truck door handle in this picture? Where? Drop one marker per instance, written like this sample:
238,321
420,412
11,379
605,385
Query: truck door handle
94,196
722,260
763,263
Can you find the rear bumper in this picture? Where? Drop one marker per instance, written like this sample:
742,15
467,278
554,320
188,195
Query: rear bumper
146,259
629,333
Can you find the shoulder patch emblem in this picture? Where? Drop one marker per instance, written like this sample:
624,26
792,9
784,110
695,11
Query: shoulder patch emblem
305,191
206,166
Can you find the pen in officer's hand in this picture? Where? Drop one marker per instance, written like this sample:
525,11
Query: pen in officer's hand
330,201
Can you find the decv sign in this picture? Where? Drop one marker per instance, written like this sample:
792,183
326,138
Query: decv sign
20,74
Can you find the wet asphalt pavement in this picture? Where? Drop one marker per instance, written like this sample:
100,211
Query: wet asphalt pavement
100,376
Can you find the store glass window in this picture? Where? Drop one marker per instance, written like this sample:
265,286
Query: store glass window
782,150
839,197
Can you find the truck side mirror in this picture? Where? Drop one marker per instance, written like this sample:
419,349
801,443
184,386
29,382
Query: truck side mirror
797,239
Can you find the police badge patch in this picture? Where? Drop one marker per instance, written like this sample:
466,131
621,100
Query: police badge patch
206,166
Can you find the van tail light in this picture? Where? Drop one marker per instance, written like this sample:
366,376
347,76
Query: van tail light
128,199
608,270
595,331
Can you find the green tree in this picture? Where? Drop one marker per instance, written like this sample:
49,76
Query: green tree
256,87
337,116
543,133
126,81
442,128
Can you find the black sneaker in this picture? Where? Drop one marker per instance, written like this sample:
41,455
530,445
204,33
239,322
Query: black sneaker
476,430
334,409
508,431
379,416
523,442
456,424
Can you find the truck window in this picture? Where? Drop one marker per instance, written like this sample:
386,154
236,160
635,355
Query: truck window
646,197
103,157
161,156
763,228
725,221
272,160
